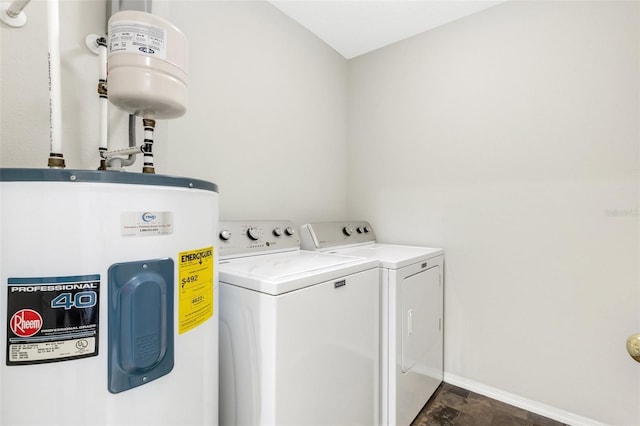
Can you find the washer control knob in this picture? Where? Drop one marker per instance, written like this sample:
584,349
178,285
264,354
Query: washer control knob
360,229
367,229
253,233
225,235
277,232
289,231
347,231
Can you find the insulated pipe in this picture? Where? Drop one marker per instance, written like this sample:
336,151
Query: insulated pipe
111,159
132,141
56,159
110,155
149,126
103,126
106,157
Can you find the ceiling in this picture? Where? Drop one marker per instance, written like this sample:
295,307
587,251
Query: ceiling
355,27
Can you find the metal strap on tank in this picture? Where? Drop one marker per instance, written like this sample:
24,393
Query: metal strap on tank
118,177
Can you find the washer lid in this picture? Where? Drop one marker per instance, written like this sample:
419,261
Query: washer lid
392,256
284,272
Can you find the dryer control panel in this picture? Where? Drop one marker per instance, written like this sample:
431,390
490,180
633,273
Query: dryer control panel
238,238
331,235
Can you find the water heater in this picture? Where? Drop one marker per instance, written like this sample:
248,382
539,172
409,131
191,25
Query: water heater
107,298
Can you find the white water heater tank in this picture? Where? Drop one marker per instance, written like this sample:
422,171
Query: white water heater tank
147,65
108,299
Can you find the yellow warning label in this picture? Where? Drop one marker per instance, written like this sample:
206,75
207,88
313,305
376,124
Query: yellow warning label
195,288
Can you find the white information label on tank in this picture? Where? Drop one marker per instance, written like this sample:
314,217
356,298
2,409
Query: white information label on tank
137,37
49,351
146,224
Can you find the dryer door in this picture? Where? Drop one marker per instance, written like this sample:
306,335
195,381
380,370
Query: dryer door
421,322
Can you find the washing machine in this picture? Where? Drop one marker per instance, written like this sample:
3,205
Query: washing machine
299,330
411,341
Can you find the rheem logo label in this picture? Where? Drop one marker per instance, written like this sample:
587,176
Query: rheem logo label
25,323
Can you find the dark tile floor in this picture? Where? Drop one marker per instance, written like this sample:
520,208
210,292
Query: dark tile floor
451,405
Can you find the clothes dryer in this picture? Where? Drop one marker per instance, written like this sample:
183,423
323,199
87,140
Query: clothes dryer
299,331
411,343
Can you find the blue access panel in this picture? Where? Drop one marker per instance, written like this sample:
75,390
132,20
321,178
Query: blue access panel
141,343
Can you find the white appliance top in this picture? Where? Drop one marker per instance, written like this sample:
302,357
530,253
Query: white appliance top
392,256
356,238
284,272
265,256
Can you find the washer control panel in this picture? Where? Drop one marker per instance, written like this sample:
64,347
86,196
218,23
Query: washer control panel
238,238
325,235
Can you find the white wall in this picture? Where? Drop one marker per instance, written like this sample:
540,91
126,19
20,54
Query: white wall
511,138
267,117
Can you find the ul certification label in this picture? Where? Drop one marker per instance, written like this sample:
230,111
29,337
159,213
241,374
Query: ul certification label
52,319
145,224
137,37
195,282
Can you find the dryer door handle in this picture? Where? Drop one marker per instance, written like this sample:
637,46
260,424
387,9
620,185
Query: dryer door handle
409,322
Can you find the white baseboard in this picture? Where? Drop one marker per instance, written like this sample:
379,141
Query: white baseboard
520,402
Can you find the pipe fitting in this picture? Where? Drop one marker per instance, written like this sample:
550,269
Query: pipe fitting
56,162
102,89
